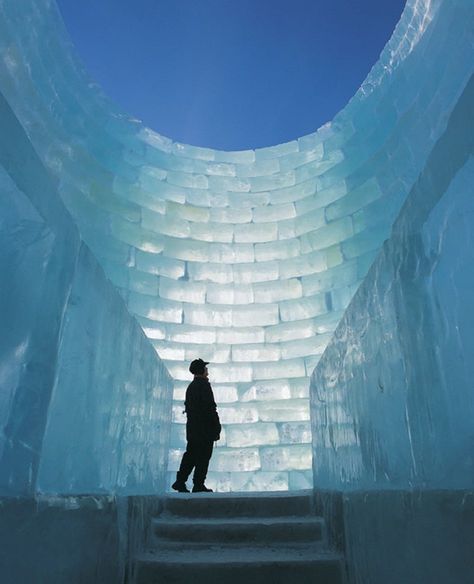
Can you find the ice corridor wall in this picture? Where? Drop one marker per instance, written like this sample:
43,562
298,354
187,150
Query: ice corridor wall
247,259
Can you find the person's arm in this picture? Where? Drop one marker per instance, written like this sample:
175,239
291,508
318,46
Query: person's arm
213,416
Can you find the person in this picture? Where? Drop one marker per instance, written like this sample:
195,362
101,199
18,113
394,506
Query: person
203,428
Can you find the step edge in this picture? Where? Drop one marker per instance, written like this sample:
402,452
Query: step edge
244,495
276,520
313,559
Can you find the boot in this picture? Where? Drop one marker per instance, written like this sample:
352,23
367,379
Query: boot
180,487
201,489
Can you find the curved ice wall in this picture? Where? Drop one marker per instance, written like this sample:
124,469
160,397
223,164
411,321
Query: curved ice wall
247,259
392,400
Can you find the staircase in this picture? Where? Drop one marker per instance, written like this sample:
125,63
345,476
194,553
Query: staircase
222,538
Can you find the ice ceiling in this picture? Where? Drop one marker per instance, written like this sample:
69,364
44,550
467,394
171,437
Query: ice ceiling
246,259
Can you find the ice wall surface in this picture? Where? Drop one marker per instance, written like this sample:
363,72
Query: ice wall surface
392,397
85,402
247,259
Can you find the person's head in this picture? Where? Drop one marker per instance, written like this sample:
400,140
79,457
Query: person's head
199,367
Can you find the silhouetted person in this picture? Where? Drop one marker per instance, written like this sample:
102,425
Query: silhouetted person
202,429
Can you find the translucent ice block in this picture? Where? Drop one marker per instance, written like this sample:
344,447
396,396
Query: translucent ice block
252,434
286,457
182,291
232,460
231,294
284,410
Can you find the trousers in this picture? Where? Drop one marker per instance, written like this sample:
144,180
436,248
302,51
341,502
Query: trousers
198,454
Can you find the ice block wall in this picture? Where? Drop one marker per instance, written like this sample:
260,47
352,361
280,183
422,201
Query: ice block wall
85,402
247,259
392,396
110,413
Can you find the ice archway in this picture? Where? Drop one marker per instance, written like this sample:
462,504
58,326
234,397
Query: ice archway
247,259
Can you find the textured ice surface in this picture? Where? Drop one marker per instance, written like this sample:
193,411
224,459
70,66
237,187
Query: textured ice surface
85,402
109,416
246,259
392,400
392,397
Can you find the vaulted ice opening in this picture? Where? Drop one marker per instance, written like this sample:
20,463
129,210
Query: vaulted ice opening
247,259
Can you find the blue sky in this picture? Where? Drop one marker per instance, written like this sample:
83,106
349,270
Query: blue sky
230,74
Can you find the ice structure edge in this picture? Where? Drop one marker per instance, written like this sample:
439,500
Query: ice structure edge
248,259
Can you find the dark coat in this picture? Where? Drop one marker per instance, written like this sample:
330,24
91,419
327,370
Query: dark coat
201,410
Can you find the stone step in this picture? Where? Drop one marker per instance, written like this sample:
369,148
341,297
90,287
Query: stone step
239,529
232,565
191,546
239,504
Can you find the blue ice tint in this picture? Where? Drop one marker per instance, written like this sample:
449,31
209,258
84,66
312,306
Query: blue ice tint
246,259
